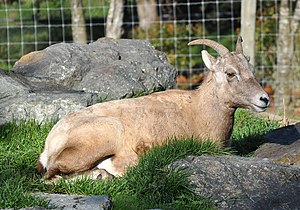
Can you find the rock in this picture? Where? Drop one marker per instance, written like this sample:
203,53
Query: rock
63,78
283,145
111,68
11,86
44,106
29,208
233,182
68,202
20,100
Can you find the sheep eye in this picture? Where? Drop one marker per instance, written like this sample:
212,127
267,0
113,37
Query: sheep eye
230,75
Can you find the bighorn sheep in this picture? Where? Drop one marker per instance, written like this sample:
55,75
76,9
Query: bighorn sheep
111,136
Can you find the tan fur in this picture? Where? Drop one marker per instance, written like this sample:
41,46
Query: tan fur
122,130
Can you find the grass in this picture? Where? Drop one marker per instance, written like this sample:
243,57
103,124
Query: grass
19,147
150,184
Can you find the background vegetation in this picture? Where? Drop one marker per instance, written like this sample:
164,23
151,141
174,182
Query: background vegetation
27,25
34,25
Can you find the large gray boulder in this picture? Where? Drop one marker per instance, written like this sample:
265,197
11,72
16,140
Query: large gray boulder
19,100
63,78
12,86
233,182
43,106
113,69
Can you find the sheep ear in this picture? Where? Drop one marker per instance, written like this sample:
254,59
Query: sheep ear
208,59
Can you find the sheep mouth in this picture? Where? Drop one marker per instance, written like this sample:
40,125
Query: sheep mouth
259,108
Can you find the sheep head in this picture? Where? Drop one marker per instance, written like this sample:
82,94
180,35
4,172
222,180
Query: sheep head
233,76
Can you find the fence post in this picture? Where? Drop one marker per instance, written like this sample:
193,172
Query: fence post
114,20
248,16
78,22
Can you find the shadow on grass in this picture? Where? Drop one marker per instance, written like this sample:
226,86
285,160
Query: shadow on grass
250,132
247,145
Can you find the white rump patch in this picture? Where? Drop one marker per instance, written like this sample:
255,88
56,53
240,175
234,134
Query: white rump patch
108,166
43,159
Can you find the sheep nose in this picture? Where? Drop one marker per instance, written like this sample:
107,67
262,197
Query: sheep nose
265,99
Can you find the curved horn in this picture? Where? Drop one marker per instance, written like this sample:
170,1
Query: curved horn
239,47
213,44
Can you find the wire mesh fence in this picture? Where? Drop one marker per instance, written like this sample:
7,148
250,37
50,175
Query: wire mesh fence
30,25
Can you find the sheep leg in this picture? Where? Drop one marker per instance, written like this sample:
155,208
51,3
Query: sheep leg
94,174
91,141
74,160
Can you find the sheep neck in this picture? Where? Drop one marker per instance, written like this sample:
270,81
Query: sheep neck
217,114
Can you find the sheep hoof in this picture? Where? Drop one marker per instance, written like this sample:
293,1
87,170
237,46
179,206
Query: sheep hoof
98,174
54,180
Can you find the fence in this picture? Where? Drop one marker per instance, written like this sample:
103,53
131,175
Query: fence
29,25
